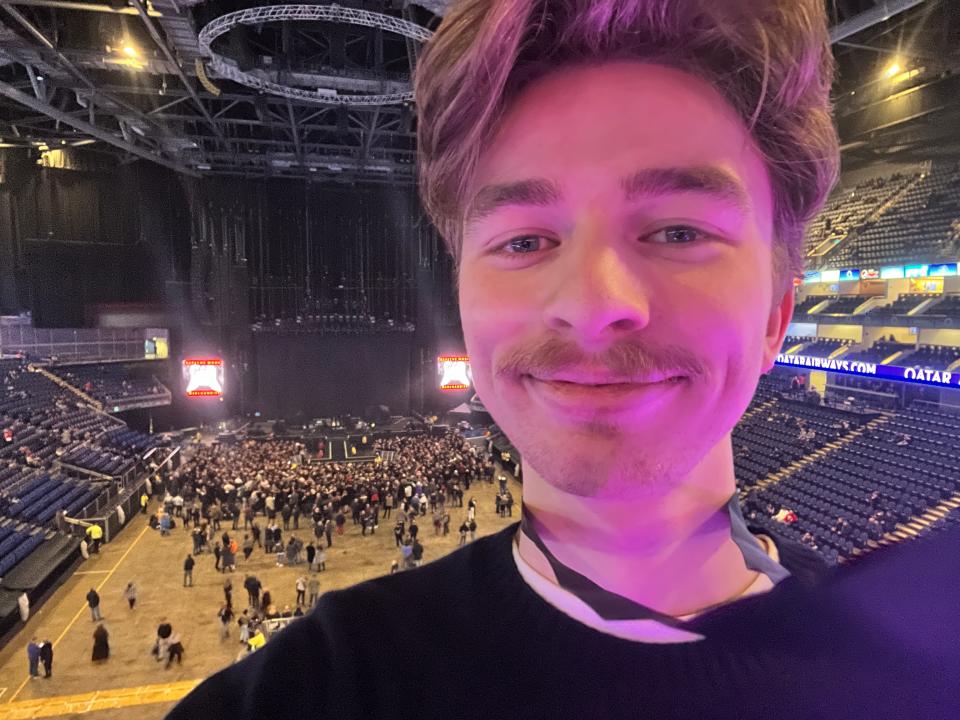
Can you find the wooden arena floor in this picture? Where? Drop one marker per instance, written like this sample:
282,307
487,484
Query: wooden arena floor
132,678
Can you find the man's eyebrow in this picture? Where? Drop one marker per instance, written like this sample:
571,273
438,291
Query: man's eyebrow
650,182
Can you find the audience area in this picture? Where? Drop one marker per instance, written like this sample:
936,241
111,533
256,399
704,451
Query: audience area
114,386
49,438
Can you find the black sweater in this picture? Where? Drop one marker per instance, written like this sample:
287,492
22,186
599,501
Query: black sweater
465,637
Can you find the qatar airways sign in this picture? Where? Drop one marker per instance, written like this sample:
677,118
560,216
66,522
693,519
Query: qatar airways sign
918,375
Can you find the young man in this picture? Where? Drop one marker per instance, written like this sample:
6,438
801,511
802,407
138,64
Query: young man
624,186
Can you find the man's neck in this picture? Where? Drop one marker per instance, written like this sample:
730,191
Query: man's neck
671,550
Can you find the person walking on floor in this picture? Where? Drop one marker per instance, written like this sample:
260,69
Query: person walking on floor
228,592
93,600
130,593
101,644
46,657
188,564
174,650
226,617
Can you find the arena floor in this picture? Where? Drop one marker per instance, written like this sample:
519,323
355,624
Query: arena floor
132,678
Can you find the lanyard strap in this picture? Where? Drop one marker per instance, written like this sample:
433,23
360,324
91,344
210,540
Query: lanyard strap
612,606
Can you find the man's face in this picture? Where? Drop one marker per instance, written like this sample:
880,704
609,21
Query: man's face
580,303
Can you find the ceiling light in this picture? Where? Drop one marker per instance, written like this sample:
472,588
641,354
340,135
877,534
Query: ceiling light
892,69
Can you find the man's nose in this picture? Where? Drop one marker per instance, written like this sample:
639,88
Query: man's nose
596,294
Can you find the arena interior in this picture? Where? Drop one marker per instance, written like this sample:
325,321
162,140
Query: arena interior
228,330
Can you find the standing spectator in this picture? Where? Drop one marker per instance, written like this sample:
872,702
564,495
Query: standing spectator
313,587
188,564
311,555
322,559
228,592
33,658
243,622
301,590
101,644
197,535
46,657
130,594
252,585
144,501
464,529
216,554
229,557
93,600
247,547
473,530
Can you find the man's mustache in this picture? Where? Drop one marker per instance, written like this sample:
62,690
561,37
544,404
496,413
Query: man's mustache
625,359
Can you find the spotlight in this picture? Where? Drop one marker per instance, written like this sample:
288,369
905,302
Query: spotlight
892,69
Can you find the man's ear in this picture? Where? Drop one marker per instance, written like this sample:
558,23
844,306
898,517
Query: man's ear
777,323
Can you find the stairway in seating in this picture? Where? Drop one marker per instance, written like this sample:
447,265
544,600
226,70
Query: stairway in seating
910,529
874,215
813,457
66,386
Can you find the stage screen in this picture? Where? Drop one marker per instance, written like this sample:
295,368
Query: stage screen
454,372
203,377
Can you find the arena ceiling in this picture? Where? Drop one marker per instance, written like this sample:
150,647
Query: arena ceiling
129,78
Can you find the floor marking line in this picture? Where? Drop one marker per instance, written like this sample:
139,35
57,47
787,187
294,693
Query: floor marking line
85,607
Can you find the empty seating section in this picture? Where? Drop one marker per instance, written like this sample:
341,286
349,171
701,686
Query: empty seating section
885,471
809,303
933,357
916,225
849,208
42,424
39,499
948,307
844,305
790,340
131,441
16,545
824,347
878,352
112,385
901,306
768,441
892,474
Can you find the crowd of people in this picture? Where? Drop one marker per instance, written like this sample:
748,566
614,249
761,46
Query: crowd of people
292,509
268,496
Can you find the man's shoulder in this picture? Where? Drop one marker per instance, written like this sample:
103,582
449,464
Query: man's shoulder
351,630
448,579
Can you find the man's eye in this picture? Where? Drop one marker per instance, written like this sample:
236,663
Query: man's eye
676,235
522,245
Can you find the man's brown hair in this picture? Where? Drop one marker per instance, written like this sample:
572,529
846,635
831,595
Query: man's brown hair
770,59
